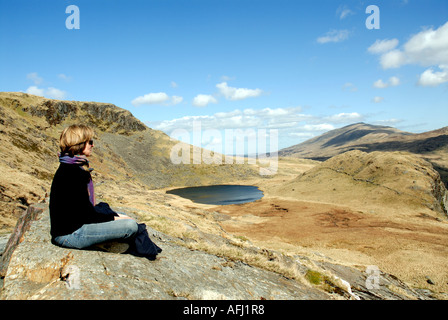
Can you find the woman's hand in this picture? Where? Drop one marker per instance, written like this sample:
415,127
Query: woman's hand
121,216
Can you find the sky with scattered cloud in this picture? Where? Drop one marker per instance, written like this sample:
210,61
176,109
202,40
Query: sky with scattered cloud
299,67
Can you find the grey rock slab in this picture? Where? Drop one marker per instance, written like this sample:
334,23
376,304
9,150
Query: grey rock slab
38,269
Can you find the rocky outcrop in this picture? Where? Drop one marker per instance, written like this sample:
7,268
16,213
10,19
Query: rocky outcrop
23,224
39,270
106,116
33,268
441,194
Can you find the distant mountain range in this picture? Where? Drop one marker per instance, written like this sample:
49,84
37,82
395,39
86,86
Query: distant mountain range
431,145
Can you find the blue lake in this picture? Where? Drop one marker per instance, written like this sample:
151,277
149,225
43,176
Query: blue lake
219,194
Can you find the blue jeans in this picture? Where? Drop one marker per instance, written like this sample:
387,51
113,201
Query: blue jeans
95,233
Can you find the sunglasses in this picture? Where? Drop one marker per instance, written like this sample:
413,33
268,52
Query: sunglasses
89,142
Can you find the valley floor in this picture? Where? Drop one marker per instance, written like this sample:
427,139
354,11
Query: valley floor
411,245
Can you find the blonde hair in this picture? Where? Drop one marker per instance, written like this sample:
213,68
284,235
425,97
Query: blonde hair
73,139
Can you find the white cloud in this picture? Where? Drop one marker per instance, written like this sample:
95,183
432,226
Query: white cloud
202,100
227,78
302,135
427,48
318,127
334,36
429,78
349,86
393,59
377,99
393,81
292,124
286,120
380,84
239,119
343,12
35,90
388,122
150,98
64,77
382,46
176,100
33,76
156,98
231,93
173,84
51,92
344,118
54,93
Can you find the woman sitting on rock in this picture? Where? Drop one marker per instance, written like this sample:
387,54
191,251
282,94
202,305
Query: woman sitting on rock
75,221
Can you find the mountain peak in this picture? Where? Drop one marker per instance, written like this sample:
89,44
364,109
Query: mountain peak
342,139
365,137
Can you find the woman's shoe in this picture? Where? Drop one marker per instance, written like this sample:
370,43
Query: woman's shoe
113,247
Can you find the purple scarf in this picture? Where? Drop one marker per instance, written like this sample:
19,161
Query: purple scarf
81,161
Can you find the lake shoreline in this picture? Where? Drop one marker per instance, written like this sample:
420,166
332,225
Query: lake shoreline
224,194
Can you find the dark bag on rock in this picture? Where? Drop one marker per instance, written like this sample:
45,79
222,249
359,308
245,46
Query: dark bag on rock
142,246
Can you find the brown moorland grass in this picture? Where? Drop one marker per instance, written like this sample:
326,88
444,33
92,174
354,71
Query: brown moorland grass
378,211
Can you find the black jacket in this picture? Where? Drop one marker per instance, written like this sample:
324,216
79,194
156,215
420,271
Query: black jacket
70,207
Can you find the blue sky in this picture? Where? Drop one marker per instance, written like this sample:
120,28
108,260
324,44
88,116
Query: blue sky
299,67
